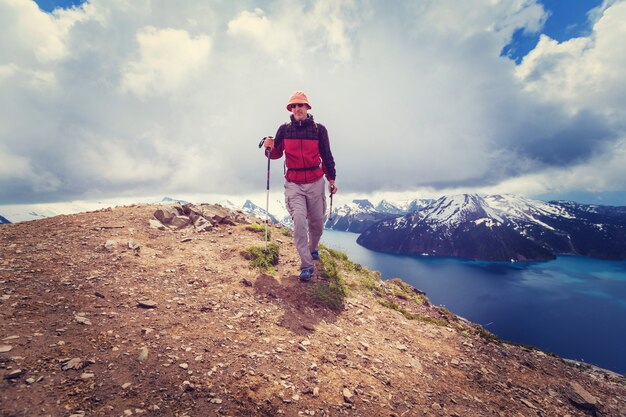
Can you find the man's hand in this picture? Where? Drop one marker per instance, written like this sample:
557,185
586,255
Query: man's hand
268,142
332,188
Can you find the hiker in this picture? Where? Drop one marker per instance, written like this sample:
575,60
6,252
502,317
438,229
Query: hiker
307,158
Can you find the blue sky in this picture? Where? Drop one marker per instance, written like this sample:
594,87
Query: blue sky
567,19
420,98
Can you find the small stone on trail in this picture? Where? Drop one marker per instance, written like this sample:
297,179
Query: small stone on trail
82,320
143,355
184,366
74,363
15,374
216,400
5,348
246,282
126,385
400,346
347,396
87,375
147,304
110,245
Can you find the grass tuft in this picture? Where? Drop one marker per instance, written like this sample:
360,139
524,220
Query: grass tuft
259,228
333,293
261,259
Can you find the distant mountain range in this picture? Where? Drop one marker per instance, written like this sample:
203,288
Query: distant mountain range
494,227
502,228
359,215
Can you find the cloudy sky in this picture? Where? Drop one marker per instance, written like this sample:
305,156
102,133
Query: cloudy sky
118,98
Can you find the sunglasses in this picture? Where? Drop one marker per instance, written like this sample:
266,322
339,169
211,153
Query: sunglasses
292,106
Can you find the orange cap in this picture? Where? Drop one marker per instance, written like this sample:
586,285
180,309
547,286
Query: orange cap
298,97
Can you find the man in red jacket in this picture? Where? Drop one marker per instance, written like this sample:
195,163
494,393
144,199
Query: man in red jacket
308,158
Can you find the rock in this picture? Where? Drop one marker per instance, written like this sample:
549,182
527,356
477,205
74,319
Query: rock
155,224
5,348
202,225
364,345
180,222
216,401
165,215
184,366
133,245
143,355
401,347
87,375
15,374
126,385
347,396
528,404
316,392
581,397
13,337
110,245
147,304
82,320
74,363
30,381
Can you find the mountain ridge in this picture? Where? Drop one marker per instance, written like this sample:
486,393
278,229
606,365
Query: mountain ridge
106,315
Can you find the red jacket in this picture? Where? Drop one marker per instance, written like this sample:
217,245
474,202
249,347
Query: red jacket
307,151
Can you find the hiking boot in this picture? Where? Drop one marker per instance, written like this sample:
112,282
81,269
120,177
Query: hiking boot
306,274
315,255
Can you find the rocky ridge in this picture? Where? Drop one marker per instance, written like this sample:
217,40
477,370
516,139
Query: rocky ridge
105,314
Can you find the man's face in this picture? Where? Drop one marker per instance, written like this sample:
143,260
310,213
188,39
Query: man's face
299,111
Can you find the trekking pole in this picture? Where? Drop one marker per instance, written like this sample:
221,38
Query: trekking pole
330,214
267,198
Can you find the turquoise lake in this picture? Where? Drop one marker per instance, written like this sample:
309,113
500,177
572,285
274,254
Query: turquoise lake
572,306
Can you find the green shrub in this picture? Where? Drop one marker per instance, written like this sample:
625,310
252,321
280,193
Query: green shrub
286,232
262,259
396,307
333,293
259,228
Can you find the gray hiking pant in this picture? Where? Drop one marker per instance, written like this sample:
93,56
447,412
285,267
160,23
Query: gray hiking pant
306,204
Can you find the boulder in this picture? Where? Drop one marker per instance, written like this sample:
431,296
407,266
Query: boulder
166,214
580,397
179,222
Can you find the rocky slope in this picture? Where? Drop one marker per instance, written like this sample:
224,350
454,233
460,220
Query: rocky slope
503,228
102,314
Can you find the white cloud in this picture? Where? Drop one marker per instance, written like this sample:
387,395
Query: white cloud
169,60
130,98
582,73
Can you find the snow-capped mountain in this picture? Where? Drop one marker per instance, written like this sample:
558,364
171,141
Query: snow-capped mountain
359,215
250,208
4,220
503,228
